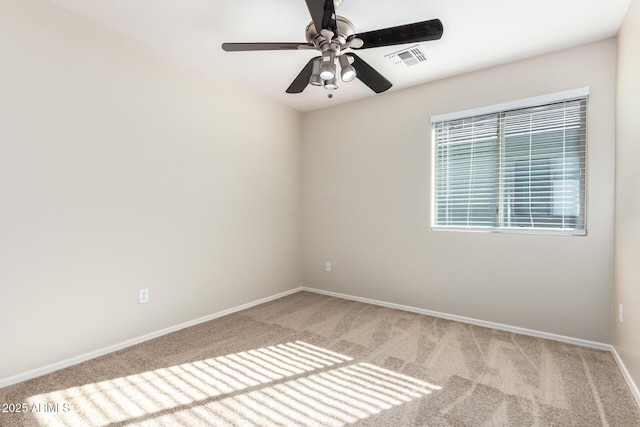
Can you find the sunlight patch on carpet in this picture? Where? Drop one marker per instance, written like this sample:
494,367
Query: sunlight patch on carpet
293,383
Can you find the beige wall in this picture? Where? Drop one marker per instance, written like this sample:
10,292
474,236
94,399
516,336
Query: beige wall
626,336
119,171
366,205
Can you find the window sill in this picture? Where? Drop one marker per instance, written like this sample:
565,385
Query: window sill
514,230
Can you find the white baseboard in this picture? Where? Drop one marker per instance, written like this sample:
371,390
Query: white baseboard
627,376
128,343
477,322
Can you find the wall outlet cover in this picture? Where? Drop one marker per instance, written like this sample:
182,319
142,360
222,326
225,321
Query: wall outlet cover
143,296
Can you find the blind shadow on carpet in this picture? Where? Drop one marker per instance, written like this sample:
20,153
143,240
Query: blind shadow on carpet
313,386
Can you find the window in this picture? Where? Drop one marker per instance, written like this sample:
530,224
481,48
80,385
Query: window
517,166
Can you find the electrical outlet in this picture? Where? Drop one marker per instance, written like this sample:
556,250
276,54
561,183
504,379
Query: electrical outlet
620,313
327,267
143,296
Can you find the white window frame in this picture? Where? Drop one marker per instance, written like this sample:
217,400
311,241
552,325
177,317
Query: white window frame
494,109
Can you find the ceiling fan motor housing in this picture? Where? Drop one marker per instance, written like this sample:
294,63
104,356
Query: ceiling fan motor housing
345,29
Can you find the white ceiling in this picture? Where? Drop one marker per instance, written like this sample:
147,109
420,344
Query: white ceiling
477,34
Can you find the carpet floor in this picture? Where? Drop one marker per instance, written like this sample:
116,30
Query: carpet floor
313,360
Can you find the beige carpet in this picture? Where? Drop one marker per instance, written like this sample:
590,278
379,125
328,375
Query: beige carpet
313,360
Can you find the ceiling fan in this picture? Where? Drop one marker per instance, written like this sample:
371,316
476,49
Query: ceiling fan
332,35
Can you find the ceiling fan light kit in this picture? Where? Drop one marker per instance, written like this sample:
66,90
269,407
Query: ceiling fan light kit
331,84
347,72
315,78
336,36
328,65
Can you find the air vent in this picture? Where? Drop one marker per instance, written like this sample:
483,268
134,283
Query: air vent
409,57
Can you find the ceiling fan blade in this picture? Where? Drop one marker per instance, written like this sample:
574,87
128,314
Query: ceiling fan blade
241,47
410,33
368,75
323,15
301,82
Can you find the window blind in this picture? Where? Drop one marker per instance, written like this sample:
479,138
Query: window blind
517,169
